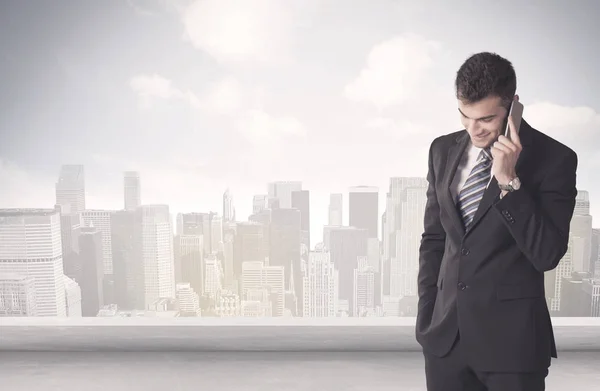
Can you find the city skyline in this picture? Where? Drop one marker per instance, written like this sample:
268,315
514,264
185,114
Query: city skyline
192,106
149,259
318,221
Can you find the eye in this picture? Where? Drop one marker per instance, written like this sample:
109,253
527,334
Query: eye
487,120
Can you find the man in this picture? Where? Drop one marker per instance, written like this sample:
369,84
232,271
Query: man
497,217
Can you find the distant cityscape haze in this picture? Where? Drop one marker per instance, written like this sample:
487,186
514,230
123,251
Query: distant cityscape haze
159,129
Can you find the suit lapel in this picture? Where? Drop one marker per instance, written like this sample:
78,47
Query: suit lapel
455,154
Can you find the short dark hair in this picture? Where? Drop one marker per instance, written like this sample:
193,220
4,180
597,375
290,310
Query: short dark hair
484,74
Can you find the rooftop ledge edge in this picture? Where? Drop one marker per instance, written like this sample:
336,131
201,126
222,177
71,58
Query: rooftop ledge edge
242,321
243,334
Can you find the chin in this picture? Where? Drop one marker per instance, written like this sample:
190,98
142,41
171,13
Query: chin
480,143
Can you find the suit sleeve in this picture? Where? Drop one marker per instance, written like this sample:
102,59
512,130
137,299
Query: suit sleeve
540,223
433,242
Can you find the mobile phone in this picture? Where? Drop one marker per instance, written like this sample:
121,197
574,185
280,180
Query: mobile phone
516,111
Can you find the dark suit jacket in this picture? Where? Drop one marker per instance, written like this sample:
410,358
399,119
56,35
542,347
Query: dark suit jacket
489,282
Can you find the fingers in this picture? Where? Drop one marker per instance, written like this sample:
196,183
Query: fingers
500,148
514,133
507,143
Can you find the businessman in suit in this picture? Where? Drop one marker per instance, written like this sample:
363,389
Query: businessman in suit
497,217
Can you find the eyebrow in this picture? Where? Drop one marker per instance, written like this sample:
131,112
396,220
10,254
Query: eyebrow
481,118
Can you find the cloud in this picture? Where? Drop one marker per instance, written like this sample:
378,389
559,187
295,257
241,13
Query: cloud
224,97
400,129
221,97
406,105
395,71
139,8
401,87
263,129
575,126
273,145
239,30
151,87
565,122
148,86
399,76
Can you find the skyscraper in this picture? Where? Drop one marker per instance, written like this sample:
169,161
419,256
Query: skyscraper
364,288
70,226
347,244
190,257
256,276
336,211
70,188
92,275
404,266
189,301
209,225
320,285
404,194
101,219
154,239
259,203
31,247
228,209
595,254
73,298
249,245
578,255
132,190
282,191
285,249
301,201
363,205
17,295
124,258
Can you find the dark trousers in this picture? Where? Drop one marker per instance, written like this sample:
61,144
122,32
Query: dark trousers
453,373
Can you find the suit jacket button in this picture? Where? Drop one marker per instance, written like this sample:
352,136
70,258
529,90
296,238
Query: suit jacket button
462,286
465,251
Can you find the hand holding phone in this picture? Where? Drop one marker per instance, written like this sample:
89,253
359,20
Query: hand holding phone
516,113
505,156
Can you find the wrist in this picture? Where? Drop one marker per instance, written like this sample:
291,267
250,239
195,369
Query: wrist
505,179
510,186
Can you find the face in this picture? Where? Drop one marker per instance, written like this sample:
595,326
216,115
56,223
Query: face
483,120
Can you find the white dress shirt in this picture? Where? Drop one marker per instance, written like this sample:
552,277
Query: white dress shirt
466,164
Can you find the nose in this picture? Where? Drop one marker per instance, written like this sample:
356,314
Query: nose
473,127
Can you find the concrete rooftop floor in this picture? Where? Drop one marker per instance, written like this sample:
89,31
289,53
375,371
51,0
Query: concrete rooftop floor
264,371
246,354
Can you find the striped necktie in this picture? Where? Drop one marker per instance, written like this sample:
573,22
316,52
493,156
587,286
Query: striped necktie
473,189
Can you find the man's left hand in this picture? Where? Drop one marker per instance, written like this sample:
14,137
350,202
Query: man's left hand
506,152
